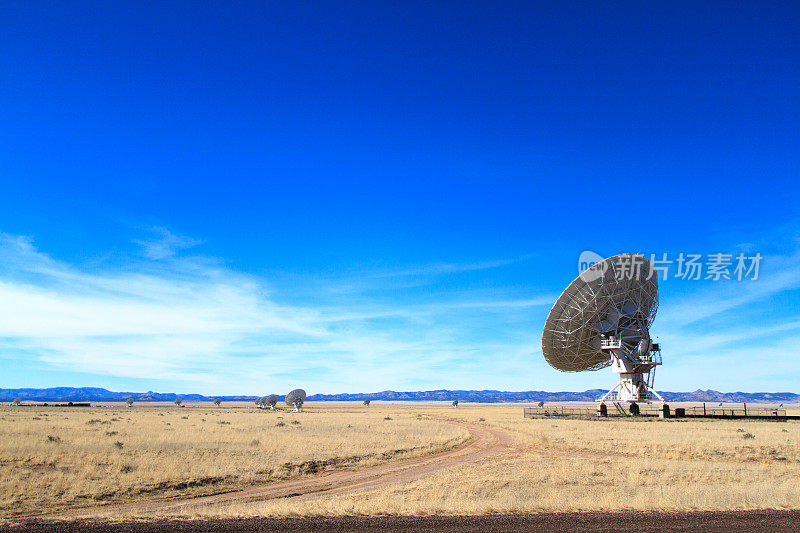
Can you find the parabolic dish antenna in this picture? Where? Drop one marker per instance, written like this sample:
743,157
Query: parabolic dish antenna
272,400
295,399
603,319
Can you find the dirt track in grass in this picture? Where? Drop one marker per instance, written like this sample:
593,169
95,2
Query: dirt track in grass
485,442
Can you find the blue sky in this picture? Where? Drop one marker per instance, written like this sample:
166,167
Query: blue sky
361,196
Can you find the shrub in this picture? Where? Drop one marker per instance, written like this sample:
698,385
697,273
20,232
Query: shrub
119,444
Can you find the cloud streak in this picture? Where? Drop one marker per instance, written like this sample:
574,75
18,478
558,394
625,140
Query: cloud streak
188,323
191,320
165,244
734,332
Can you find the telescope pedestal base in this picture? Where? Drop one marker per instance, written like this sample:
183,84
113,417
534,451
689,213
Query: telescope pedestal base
632,388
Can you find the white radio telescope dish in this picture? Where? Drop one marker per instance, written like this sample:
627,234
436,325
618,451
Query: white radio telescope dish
602,319
295,399
272,401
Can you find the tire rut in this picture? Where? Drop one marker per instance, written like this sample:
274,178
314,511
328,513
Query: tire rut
484,442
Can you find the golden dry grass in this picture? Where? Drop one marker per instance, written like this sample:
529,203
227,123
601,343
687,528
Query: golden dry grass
582,465
52,457
553,465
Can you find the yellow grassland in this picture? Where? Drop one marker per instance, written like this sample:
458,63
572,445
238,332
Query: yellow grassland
552,465
53,457
589,465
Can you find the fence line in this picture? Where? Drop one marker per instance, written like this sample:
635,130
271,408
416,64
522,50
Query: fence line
703,411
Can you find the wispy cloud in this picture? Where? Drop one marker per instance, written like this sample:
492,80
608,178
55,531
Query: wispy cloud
187,322
779,274
164,243
738,333
190,320
438,269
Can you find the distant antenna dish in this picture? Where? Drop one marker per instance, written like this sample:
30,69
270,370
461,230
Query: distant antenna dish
261,403
540,404
217,401
129,402
366,402
272,401
295,399
603,319
16,401
178,402
455,403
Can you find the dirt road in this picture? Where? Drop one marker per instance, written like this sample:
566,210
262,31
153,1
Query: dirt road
621,522
484,442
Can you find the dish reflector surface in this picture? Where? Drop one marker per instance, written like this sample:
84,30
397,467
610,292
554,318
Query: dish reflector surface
296,396
610,297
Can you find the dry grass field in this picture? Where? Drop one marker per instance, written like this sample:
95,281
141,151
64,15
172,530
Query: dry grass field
551,464
53,456
583,465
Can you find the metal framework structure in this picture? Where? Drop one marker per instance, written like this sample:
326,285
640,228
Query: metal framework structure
603,319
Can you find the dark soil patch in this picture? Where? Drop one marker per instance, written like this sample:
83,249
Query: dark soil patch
727,522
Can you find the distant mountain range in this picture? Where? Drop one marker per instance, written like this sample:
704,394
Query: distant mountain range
94,394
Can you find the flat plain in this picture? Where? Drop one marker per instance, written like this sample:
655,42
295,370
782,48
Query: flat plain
57,457
390,458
